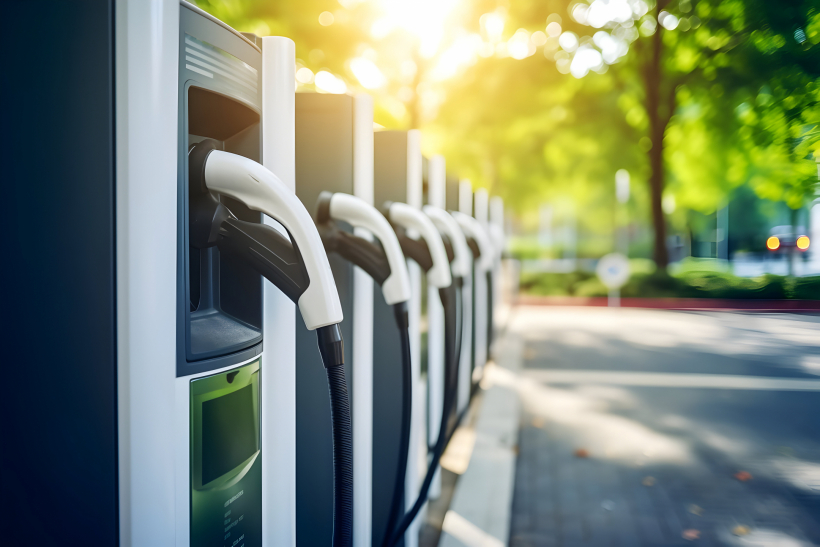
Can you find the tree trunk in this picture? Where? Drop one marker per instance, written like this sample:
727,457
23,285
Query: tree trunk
658,120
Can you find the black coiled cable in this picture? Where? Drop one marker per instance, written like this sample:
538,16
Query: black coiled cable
331,347
400,312
490,311
451,302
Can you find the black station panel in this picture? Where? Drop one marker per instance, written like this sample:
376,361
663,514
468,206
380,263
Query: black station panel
324,161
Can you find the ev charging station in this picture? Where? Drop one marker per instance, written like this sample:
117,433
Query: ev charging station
483,281
397,178
440,196
334,153
482,267
184,141
436,196
183,307
463,196
223,251
498,239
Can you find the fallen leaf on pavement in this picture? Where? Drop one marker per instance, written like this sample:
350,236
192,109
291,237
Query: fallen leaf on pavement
743,476
695,509
691,534
648,481
740,530
581,453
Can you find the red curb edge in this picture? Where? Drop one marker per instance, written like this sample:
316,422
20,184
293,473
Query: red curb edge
802,306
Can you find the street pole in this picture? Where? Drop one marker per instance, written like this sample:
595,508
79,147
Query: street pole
621,220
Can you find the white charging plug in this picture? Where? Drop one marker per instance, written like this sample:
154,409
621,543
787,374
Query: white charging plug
413,219
259,189
358,213
475,230
449,227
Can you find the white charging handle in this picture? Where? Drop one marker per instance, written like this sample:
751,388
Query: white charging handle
449,227
473,228
411,218
260,190
357,212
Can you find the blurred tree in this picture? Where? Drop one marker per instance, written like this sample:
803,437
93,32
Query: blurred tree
546,99
695,78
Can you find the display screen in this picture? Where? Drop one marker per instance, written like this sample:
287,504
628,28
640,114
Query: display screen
229,434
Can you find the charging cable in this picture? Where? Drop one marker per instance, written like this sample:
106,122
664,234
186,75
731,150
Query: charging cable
387,266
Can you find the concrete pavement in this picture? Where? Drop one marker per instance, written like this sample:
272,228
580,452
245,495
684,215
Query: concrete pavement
632,426
635,424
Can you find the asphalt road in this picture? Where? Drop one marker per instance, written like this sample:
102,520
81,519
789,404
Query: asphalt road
646,427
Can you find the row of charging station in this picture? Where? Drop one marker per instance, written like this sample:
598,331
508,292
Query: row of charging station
263,320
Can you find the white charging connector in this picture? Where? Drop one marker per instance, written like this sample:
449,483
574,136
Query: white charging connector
411,218
449,227
358,213
473,228
259,189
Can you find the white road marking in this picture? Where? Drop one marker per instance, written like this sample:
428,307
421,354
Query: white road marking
468,533
669,379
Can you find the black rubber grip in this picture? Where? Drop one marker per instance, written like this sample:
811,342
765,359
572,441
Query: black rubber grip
359,251
474,247
417,250
268,252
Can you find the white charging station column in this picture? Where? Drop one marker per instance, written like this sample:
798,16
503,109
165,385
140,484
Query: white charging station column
146,65
481,207
278,381
436,196
362,367
465,368
418,446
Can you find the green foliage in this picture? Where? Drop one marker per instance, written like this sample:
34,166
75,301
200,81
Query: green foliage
805,288
560,284
690,283
737,82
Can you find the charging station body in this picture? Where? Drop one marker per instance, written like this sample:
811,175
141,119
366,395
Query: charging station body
154,411
219,300
398,172
334,153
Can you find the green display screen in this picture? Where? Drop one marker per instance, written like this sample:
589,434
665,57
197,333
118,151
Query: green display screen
228,433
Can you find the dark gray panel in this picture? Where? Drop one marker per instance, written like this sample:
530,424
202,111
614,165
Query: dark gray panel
219,301
451,193
324,161
58,452
387,405
390,184
389,167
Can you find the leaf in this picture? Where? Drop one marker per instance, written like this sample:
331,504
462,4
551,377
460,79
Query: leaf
743,476
741,530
